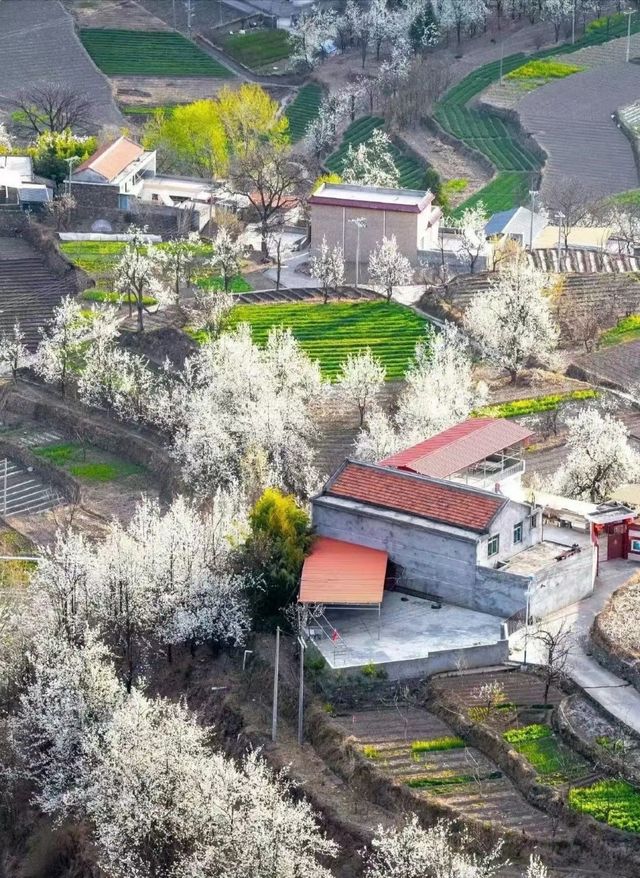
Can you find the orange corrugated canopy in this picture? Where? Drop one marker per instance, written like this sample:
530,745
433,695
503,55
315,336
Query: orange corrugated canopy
342,573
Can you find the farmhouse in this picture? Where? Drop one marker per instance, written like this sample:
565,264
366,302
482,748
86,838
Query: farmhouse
19,188
114,175
433,523
408,214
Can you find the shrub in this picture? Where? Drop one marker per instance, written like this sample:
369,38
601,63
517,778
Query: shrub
370,751
527,733
448,742
373,672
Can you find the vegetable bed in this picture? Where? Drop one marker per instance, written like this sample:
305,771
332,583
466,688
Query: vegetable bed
148,53
615,802
330,332
258,48
303,110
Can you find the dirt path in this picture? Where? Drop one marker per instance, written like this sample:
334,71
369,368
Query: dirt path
448,161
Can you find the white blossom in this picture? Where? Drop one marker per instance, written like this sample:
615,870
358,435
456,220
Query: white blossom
360,380
62,340
310,33
226,257
5,140
13,351
371,163
461,14
512,321
600,457
557,11
328,267
388,267
472,237
378,437
139,275
176,261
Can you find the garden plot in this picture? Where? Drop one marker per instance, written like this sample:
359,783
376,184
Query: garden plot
412,172
303,109
29,58
571,120
148,53
258,49
398,741
97,13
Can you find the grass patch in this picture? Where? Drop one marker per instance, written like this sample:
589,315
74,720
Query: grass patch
94,257
148,53
114,298
88,462
328,333
554,762
237,284
543,70
258,48
614,802
627,329
303,109
521,407
370,751
508,189
448,742
444,781
142,110
412,171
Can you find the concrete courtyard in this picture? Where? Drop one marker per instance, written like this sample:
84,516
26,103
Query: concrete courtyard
410,629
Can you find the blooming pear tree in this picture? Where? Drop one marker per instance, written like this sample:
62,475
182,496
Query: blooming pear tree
472,237
13,351
177,260
512,321
599,460
62,341
226,258
557,12
328,267
360,380
461,15
388,267
311,31
138,275
440,387
371,163
378,437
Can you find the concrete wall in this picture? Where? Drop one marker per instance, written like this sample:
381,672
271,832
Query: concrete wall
448,660
95,196
332,223
498,592
563,583
434,563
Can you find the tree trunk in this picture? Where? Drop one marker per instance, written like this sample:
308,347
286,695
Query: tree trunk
169,653
264,230
140,309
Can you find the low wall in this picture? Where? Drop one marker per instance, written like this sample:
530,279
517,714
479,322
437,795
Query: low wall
64,482
564,582
609,654
499,592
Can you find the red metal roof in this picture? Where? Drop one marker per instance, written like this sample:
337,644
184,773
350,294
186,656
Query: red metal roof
444,502
459,447
337,572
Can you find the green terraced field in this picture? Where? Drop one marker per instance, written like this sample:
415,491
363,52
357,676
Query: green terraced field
148,53
259,48
412,171
330,332
303,110
508,189
95,257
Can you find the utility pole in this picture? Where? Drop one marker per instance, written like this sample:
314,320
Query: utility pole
560,218
301,692
359,222
274,717
629,12
71,162
533,193
501,60
5,481
573,23
526,623
189,9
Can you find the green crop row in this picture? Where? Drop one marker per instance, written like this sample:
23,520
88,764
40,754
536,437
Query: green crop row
303,110
329,333
447,742
258,48
614,802
412,172
521,407
503,192
148,53
554,762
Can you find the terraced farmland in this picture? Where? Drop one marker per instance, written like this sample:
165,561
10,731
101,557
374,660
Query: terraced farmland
303,110
463,778
259,48
148,53
508,188
329,333
412,171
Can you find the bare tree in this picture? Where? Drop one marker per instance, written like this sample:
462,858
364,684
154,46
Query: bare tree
52,107
570,205
270,176
557,645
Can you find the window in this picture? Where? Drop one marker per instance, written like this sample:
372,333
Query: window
493,546
635,546
517,532
534,521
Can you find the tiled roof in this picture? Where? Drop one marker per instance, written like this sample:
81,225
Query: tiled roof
444,502
337,572
459,447
112,158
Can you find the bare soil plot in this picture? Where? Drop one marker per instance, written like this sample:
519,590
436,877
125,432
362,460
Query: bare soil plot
157,90
523,690
38,44
463,778
619,364
571,120
113,14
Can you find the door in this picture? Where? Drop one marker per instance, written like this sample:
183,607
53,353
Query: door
614,546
